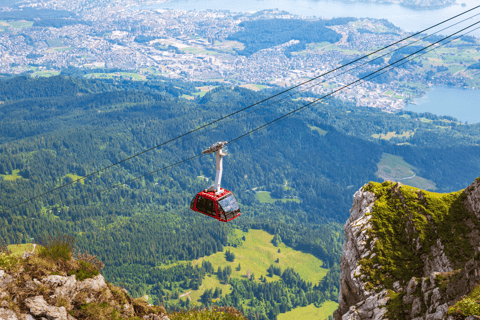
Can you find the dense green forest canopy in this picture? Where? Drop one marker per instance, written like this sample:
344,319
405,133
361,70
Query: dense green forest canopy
54,130
260,34
30,14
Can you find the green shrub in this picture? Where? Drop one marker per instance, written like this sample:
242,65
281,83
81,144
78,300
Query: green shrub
4,248
57,247
10,262
86,271
469,306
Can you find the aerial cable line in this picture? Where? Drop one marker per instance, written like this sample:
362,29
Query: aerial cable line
236,112
348,85
372,75
367,77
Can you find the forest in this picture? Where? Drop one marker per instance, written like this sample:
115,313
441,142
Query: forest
30,14
58,129
261,34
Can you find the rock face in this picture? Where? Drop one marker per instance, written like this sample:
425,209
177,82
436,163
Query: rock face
410,254
40,308
29,293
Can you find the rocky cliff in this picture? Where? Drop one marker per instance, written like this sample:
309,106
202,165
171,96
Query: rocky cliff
411,254
56,286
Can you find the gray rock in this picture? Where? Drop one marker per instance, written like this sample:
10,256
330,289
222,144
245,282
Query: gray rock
436,296
365,314
128,310
426,297
67,289
96,284
352,288
427,285
28,317
92,287
5,281
54,280
442,311
378,313
439,261
39,308
370,303
7,314
397,287
472,318
412,285
416,307
472,200
408,298
351,315
32,284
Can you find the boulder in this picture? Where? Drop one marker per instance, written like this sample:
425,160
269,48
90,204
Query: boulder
40,308
66,286
55,281
6,314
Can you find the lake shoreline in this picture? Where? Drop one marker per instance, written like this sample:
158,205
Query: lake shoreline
460,103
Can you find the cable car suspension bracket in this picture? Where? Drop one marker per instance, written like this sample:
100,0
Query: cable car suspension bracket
219,154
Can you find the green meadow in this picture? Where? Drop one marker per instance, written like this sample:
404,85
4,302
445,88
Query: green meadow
256,253
265,197
310,312
10,177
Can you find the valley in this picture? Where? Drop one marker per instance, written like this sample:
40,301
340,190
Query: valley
151,242
254,255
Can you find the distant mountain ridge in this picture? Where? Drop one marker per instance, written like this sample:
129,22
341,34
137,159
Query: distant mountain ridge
411,254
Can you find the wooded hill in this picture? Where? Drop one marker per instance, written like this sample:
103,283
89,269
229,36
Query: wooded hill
57,129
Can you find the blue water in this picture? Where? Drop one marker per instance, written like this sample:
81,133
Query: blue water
462,104
459,103
405,18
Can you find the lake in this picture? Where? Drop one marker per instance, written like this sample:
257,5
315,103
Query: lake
462,104
459,103
405,18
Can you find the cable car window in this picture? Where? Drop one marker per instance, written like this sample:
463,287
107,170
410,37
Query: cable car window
192,203
205,205
229,203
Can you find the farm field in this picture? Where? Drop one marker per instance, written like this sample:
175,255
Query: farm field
317,129
257,253
13,176
395,168
265,197
310,312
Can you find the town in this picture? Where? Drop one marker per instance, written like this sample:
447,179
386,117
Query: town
141,43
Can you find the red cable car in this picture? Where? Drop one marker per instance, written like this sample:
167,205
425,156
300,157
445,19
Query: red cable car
216,202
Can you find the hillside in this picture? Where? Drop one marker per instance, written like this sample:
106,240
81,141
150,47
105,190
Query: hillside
411,254
293,181
51,282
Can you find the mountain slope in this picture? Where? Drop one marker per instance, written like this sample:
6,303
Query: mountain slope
410,254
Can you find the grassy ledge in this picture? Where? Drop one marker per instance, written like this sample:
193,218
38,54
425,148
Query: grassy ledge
406,223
